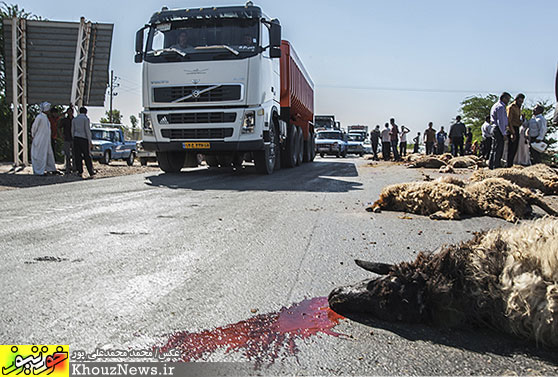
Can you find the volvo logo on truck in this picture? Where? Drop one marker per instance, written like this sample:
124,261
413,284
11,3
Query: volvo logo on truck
234,115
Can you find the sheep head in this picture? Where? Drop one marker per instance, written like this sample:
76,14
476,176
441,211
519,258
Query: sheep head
394,296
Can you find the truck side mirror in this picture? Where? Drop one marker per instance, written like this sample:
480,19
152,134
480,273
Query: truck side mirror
139,46
275,39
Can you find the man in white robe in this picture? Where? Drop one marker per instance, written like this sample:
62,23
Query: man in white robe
42,156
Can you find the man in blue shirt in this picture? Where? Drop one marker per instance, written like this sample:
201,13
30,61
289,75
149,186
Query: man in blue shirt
441,137
499,119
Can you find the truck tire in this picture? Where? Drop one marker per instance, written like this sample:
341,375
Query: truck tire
266,160
130,159
309,148
344,154
171,162
289,153
322,155
312,146
143,161
299,146
211,161
106,157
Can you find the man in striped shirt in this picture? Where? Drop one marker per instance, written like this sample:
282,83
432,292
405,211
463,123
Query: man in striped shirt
499,119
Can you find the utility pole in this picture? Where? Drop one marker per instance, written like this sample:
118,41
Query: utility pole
112,87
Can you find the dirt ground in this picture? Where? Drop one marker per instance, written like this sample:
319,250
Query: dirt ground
10,179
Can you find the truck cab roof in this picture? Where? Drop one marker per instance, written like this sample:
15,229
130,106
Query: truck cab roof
243,12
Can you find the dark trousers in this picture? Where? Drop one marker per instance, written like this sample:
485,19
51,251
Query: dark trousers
486,148
513,144
497,149
535,156
403,148
440,148
375,149
416,148
429,147
386,147
81,152
457,146
394,149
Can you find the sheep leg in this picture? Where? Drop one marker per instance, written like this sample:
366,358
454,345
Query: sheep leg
450,214
542,204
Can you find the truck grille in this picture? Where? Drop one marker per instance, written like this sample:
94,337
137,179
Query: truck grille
197,93
189,118
197,133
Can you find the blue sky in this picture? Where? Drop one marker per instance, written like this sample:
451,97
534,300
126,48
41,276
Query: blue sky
372,60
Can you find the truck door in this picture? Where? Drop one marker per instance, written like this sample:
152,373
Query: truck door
118,146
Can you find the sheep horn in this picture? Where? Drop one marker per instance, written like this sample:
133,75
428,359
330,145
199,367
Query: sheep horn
377,268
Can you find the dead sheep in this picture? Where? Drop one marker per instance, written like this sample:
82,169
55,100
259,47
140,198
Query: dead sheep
427,162
534,178
412,157
446,157
503,279
446,169
441,200
465,162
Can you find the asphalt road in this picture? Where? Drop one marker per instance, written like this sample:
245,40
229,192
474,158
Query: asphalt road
132,260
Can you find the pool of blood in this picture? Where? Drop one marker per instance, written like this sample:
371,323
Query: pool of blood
264,337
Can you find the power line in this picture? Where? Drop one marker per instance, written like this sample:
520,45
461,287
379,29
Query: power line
426,90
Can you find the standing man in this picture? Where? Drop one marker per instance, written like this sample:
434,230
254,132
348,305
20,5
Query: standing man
403,141
394,138
486,130
514,122
537,131
42,157
430,139
456,135
374,140
53,118
386,143
81,133
66,127
441,138
499,119
416,140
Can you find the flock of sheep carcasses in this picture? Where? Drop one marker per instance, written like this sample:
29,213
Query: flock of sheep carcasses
505,279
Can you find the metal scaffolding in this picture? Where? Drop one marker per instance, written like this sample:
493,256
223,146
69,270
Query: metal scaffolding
19,87
80,63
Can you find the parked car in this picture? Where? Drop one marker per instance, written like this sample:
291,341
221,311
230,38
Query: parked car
143,155
355,144
331,142
109,144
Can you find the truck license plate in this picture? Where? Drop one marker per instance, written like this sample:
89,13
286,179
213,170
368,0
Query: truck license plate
196,145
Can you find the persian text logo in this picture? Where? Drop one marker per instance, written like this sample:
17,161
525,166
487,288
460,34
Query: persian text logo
51,360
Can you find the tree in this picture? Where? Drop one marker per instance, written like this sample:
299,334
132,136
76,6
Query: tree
474,111
133,121
115,117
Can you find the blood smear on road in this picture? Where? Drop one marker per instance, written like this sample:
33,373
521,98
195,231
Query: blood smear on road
264,337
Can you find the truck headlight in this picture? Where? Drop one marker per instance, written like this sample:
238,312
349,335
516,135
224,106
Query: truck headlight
249,122
97,147
147,125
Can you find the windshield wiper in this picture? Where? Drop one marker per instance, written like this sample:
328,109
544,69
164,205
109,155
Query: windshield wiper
218,46
168,49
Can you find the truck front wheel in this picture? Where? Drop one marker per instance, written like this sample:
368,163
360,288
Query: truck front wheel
171,162
106,157
265,160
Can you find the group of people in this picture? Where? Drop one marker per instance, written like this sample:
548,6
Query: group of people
506,123
506,126
393,139
77,141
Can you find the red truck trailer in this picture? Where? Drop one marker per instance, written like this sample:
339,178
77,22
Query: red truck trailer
297,108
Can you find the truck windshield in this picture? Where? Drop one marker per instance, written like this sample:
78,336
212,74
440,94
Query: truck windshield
101,135
329,135
209,39
324,123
